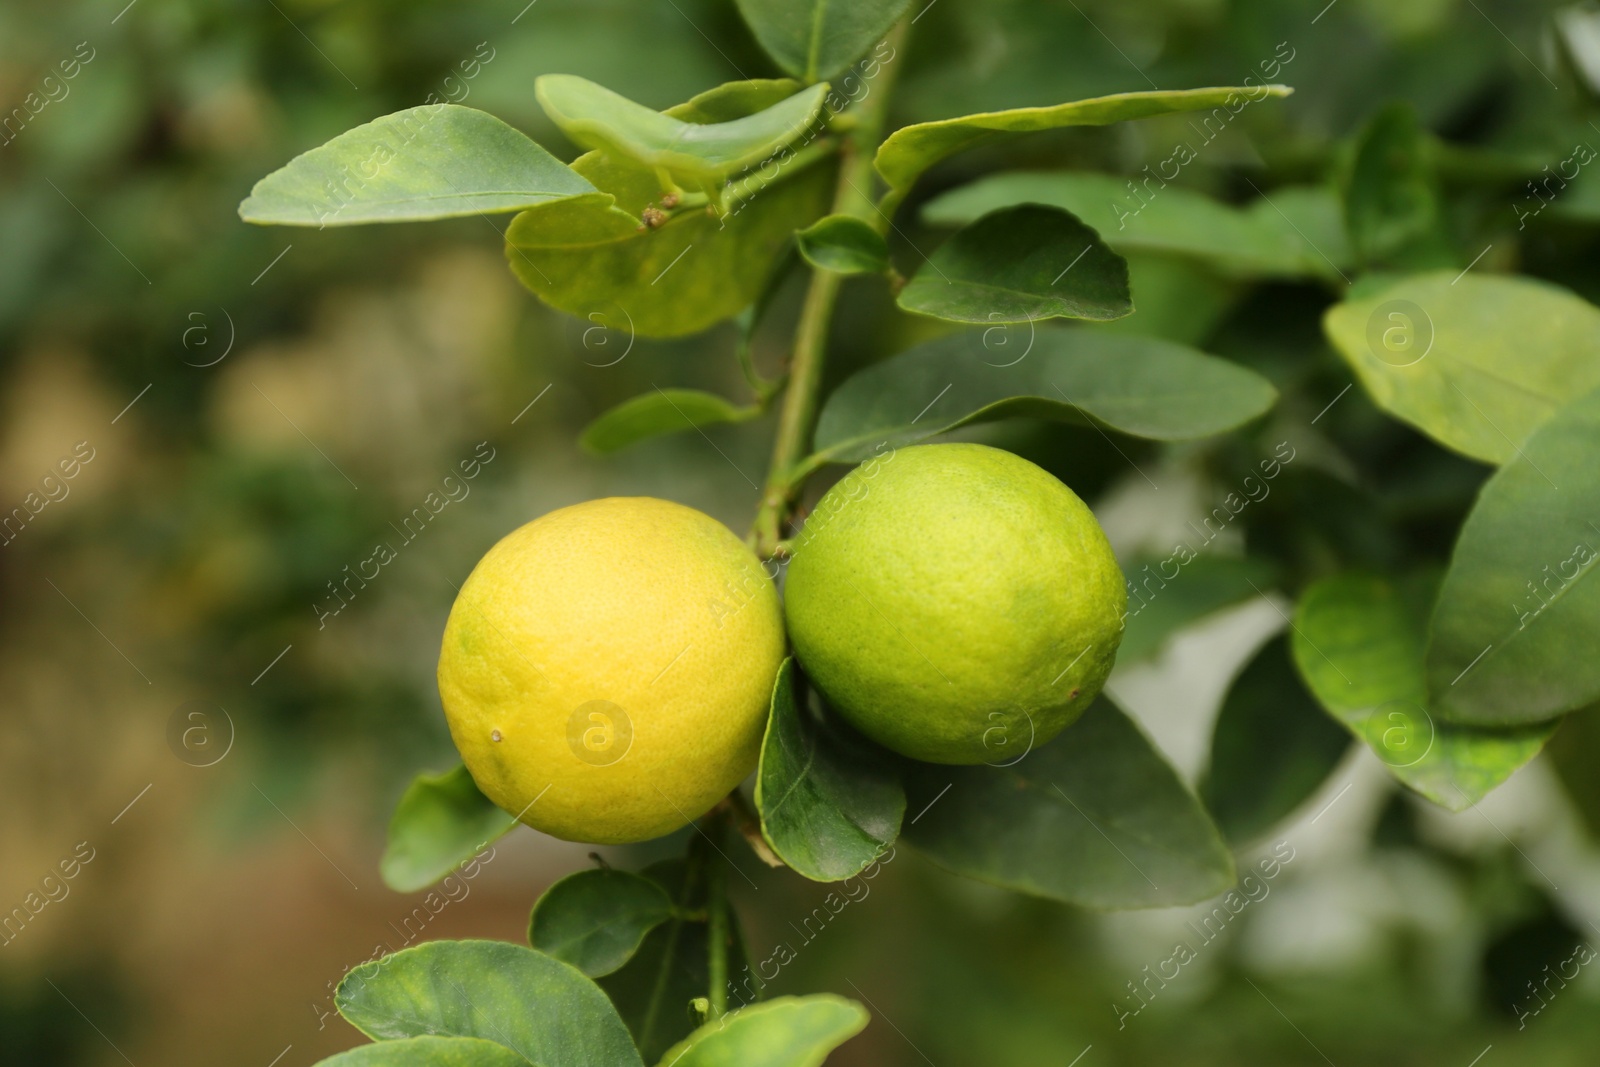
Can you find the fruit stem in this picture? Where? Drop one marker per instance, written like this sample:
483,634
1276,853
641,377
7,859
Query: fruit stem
717,908
853,196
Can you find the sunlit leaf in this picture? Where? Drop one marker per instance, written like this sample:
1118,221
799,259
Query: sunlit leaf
1134,385
1021,264
1097,817
442,821
784,1032
1358,644
437,161
910,150
1475,361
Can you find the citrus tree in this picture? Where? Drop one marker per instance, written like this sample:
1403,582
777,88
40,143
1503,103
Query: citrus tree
618,669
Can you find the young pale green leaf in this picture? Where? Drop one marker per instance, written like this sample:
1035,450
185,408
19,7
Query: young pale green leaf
660,412
1358,644
1513,633
1021,264
1295,233
428,1052
544,1010
653,990
1096,817
845,244
438,161
591,257
442,820
1272,747
1134,385
1474,361
699,153
596,919
1391,207
817,39
830,801
1169,595
910,150
783,1032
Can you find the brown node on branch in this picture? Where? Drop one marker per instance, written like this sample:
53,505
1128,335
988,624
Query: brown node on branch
653,217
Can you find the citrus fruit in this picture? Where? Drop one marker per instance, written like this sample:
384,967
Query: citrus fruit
955,602
606,669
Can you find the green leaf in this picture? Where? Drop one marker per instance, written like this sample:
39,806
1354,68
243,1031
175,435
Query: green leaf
816,39
653,990
845,244
1358,644
1160,605
591,257
661,412
596,919
830,801
428,1052
1020,264
1096,817
541,1008
783,1032
910,150
1286,235
1475,361
438,161
1271,749
701,154
442,821
1513,634
1389,197
1133,385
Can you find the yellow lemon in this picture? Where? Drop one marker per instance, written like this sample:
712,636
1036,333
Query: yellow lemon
606,669
955,602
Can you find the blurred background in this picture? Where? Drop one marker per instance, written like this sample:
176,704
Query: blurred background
252,410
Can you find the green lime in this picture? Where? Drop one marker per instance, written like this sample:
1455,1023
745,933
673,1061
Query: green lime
955,603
